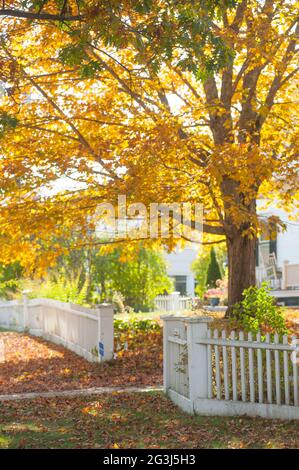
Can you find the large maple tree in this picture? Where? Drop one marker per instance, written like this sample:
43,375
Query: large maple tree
161,101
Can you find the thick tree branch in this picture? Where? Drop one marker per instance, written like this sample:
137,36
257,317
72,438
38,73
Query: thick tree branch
39,16
241,8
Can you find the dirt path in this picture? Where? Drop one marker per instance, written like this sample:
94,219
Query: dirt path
78,393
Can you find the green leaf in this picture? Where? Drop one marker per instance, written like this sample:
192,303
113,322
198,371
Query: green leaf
90,70
72,54
7,122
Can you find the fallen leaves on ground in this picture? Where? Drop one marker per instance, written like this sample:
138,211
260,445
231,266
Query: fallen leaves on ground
119,420
292,320
35,365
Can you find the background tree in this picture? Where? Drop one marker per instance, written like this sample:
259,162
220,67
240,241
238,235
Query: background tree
213,273
201,264
163,101
90,276
139,277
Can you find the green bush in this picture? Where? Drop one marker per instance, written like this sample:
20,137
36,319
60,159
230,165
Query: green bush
134,324
9,280
258,310
133,332
63,288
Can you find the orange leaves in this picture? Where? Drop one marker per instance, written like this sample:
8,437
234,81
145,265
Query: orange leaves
32,364
96,119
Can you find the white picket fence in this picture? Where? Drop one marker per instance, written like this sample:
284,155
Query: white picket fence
173,302
211,374
87,332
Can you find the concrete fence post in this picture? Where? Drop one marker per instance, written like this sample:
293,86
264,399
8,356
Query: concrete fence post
197,328
172,326
25,310
105,314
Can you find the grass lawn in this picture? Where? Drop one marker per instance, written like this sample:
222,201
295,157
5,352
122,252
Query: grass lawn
136,420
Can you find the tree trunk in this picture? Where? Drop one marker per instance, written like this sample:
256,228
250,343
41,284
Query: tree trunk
241,266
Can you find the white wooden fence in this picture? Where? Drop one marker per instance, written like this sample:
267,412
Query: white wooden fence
87,332
173,302
208,373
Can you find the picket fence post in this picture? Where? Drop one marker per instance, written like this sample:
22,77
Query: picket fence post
175,301
197,328
105,313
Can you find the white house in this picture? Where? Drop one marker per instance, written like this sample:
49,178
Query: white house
179,265
277,261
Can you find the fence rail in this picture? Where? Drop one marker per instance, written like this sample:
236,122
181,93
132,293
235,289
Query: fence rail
87,332
208,372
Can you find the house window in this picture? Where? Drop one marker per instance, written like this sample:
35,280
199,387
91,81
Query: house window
180,284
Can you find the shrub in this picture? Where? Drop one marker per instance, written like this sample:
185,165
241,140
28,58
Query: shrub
136,325
258,310
65,289
134,331
9,279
